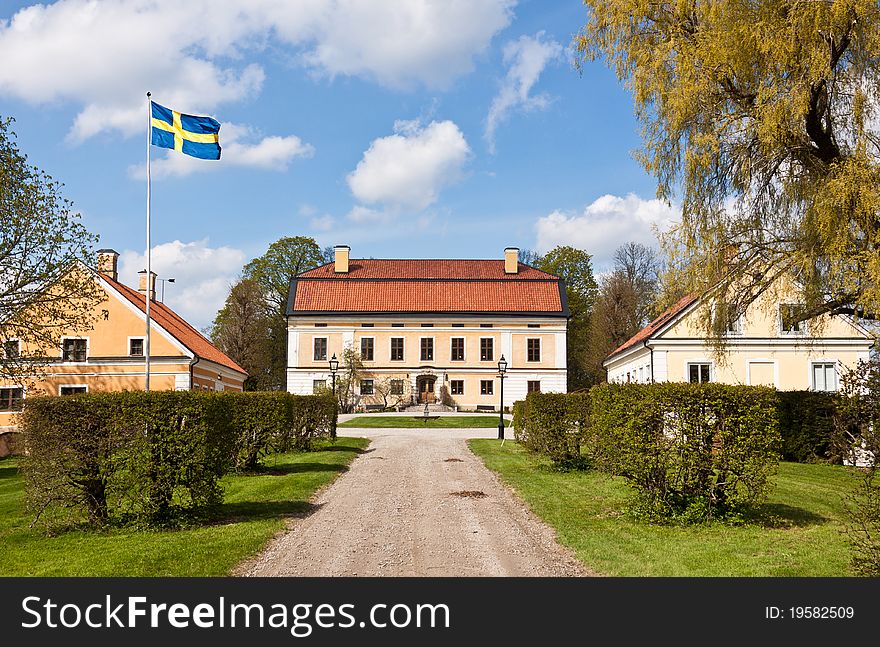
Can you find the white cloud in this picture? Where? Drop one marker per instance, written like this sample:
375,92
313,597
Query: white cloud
202,276
194,55
526,58
408,169
322,223
271,153
604,225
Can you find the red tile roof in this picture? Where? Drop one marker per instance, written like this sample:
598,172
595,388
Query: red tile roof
645,333
176,326
428,269
427,286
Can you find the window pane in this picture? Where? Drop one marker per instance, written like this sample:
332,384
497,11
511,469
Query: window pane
366,387
397,348
427,345
704,372
830,378
693,373
320,348
457,349
136,347
367,349
456,387
396,387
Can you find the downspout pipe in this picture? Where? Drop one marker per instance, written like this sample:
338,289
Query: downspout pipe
193,362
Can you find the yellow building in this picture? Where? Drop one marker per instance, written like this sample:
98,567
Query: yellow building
421,325
110,356
765,346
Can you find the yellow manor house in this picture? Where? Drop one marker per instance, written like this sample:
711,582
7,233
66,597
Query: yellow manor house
765,346
425,328
110,356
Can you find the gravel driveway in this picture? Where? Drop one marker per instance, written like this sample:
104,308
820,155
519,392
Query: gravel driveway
416,503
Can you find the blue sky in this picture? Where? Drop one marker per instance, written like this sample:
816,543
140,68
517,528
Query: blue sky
403,129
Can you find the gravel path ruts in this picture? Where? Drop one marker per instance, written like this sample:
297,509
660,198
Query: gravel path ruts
404,509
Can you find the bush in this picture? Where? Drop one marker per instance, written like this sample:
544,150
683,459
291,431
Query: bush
149,457
806,425
857,424
518,421
554,424
692,451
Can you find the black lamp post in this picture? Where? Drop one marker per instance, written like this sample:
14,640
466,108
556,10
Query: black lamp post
502,369
334,366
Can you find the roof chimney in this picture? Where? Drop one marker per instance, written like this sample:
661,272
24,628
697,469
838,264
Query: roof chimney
107,261
340,264
511,260
142,284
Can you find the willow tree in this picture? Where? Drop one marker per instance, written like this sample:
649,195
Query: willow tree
761,118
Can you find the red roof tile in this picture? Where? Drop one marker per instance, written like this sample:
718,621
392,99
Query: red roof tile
645,333
176,326
427,286
370,268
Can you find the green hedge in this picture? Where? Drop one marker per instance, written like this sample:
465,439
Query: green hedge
806,425
692,451
554,424
272,421
149,457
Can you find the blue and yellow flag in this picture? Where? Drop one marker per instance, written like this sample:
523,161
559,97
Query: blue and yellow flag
196,136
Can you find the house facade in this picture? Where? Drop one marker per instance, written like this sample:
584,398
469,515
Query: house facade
110,356
423,328
764,346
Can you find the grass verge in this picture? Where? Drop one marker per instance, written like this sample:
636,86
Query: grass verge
407,422
797,532
254,509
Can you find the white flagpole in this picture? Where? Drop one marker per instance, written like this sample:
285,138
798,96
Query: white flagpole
149,268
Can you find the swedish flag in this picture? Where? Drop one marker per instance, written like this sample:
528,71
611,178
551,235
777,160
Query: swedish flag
195,136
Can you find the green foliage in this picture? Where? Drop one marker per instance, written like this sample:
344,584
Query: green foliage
693,452
763,115
41,239
285,258
555,425
518,419
858,439
806,425
153,457
243,330
575,267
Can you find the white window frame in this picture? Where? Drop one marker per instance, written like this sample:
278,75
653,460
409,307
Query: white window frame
812,378
762,360
326,349
480,349
23,395
143,339
433,349
492,386
695,362
17,341
463,348
463,381
73,386
787,333
390,351
361,349
88,349
540,350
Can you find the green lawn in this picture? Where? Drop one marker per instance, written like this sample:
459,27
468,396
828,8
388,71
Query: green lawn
798,532
253,511
443,422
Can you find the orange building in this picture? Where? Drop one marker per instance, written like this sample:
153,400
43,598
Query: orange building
110,356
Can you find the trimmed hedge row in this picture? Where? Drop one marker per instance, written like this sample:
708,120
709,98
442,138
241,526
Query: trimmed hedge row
149,457
806,424
692,451
553,424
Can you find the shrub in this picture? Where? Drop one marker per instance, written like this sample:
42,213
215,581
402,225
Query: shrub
857,424
806,425
555,425
692,451
261,422
149,457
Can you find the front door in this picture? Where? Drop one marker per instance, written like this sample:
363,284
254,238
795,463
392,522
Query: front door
426,390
